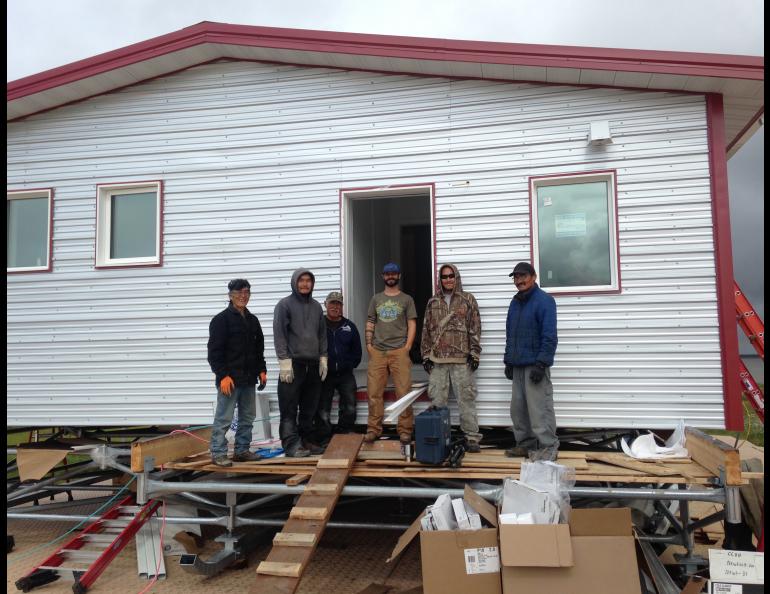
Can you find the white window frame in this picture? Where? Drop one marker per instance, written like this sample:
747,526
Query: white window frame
26,194
612,219
104,193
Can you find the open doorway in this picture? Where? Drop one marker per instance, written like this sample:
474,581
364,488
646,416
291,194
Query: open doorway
381,226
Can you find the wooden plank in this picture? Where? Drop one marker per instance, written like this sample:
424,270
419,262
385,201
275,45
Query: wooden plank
625,461
341,447
309,513
333,463
321,488
168,448
297,479
279,569
714,455
294,539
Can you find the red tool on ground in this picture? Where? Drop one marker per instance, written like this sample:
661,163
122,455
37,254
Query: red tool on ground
90,552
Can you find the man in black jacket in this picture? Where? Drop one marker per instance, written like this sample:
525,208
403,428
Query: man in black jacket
344,344
236,355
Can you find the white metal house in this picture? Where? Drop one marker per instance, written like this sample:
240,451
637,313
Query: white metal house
140,181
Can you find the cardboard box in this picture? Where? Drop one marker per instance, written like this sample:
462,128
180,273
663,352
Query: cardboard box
603,557
458,561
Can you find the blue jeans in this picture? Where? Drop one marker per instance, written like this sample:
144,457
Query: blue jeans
245,398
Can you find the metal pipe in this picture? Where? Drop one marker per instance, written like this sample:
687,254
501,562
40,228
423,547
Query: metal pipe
156,487
37,486
732,505
257,502
222,521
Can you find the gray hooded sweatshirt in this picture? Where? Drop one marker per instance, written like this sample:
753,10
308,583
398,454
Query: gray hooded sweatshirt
299,329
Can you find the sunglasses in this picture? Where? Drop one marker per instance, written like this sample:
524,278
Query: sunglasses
446,276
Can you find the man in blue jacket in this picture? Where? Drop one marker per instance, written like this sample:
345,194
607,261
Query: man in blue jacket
344,345
530,345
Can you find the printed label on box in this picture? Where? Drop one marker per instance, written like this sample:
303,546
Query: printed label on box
482,560
727,589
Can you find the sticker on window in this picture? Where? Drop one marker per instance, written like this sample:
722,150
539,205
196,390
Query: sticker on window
570,225
482,560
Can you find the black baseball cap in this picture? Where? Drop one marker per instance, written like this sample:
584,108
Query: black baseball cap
237,284
523,268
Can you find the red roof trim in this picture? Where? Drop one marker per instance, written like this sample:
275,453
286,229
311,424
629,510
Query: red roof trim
417,48
723,262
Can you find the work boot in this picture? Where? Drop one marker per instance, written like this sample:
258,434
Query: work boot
370,437
246,456
405,438
517,452
298,452
544,455
221,460
473,447
314,448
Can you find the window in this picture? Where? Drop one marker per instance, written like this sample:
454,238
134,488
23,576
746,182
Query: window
28,230
128,224
574,233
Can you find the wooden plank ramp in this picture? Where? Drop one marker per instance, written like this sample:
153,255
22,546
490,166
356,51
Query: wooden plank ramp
293,547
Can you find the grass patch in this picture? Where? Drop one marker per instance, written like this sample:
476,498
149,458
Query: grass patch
753,429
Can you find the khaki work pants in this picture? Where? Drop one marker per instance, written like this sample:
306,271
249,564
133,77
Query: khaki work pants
382,363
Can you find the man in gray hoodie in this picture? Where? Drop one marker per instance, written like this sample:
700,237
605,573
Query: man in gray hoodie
299,334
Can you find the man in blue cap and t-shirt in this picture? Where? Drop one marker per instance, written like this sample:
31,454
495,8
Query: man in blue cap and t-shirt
391,325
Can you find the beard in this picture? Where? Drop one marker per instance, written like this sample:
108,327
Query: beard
391,282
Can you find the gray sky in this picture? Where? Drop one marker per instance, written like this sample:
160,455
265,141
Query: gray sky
43,34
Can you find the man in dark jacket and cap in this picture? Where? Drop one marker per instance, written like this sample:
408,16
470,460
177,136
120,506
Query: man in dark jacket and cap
236,356
530,345
299,333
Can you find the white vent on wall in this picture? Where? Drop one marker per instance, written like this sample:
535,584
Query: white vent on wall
599,134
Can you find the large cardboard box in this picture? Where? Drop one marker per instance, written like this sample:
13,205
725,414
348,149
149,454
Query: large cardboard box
458,561
603,557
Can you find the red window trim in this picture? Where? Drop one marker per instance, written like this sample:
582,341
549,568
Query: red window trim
577,174
51,192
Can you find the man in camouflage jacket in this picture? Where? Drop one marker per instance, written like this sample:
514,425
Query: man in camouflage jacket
450,348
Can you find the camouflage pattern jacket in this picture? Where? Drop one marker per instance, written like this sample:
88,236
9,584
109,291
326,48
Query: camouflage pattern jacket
451,332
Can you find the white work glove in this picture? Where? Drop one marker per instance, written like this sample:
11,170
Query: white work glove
285,371
323,367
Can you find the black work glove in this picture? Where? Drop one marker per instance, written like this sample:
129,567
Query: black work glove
537,373
509,372
427,365
473,363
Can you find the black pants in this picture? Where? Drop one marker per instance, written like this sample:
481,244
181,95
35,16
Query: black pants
298,403
345,384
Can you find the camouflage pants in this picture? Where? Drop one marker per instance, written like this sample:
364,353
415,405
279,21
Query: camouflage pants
460,377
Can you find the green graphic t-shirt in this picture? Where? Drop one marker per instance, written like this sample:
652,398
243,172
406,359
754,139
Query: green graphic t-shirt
390,313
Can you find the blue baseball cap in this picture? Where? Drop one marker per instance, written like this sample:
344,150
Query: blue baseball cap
391,267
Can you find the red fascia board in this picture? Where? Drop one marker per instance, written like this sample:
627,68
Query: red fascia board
414,48
723,261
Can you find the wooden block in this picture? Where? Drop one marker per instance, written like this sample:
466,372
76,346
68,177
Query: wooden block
309,513
714,455
321,488
333,463
168,448
297,479
280,569
294,539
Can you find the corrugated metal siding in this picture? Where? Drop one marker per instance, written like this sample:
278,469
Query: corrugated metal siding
252,157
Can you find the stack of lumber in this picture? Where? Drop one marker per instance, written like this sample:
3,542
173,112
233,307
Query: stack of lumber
383,459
